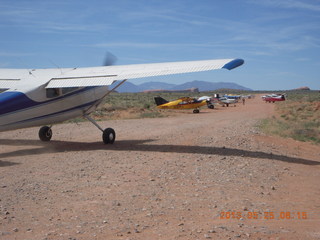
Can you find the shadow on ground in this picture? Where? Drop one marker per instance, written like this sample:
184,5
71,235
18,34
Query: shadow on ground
135,145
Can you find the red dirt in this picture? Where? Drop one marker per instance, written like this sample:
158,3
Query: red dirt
165,178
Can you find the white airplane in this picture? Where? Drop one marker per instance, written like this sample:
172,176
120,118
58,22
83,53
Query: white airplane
40,97
227,101
210,101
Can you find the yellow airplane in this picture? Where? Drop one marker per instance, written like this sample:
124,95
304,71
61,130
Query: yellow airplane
181,103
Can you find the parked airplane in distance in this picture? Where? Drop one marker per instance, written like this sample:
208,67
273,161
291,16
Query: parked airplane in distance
274,98
211,101
181,103
232,96
37,97
225,101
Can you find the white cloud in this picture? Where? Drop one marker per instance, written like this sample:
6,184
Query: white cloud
290,4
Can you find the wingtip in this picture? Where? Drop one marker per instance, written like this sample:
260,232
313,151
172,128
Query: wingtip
233,64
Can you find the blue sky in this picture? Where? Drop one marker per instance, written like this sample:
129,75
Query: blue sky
278,39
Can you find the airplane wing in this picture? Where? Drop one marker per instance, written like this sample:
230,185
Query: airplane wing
10,78
105,76
8,83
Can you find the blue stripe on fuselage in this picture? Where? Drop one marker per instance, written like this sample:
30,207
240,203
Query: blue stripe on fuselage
52,114
15,101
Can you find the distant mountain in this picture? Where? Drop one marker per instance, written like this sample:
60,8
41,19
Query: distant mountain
201,85
127,87
302,88
209,86
156,85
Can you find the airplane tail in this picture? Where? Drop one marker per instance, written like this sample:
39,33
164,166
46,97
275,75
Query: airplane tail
160,100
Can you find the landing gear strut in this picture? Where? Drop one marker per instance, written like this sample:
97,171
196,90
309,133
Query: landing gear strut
108,134
45,133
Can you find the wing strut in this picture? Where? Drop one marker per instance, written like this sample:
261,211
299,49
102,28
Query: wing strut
108,134
93,107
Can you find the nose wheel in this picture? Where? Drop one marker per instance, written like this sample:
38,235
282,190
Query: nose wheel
45,133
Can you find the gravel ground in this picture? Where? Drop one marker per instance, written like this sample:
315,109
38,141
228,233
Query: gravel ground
211,175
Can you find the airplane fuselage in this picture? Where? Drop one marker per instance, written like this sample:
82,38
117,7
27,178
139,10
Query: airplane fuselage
272,98
40,106
227,100
183,104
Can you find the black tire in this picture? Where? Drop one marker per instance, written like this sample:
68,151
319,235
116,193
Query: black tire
227,104
45,134
196,111
109,136
211,106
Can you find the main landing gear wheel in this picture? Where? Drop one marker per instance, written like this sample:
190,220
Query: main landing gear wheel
210,106
196,111
45,133
109,136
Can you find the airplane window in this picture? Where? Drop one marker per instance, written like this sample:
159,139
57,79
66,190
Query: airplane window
53,92
67,90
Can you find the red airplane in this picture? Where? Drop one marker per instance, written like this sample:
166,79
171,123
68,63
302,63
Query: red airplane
274,98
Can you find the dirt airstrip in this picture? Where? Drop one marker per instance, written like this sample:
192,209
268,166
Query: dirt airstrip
211,175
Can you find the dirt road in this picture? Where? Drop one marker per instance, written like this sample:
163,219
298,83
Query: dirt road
211,175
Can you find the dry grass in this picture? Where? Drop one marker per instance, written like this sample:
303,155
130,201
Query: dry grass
297,118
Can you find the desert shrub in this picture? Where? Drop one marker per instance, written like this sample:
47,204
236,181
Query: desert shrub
298,117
